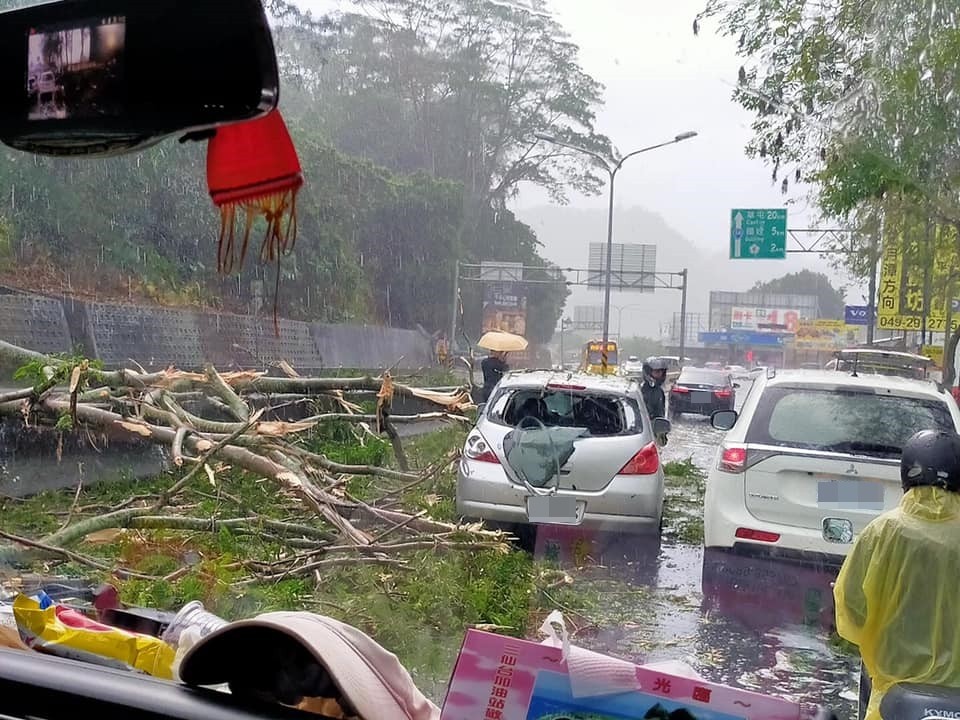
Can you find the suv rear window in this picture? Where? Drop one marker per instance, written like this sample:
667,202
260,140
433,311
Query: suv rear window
702,377
600,413
843,421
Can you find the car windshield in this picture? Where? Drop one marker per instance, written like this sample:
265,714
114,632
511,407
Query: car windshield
247,366
869,423
599,413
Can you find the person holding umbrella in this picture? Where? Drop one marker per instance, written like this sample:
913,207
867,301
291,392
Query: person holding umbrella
495,366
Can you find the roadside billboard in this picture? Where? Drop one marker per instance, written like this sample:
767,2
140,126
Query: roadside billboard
825,335
724,302
901,294
504,299
857,314
765,318
504,308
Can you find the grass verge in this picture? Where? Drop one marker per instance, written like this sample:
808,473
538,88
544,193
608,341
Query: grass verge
683,504
420,611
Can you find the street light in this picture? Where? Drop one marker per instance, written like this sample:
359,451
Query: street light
620,309
564,324
612,170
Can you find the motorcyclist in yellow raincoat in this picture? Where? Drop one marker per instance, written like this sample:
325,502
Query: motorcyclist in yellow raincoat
896,595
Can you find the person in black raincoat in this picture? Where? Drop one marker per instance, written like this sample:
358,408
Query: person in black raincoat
493,367
654,375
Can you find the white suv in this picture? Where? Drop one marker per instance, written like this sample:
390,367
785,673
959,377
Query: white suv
812,457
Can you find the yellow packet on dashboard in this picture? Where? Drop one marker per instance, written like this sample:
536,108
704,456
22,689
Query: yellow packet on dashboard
61,631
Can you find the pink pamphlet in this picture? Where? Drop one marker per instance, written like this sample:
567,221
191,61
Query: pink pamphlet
502,678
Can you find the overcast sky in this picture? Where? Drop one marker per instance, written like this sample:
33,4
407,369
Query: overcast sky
661,80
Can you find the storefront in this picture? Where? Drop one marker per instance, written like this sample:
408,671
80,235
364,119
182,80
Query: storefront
747,348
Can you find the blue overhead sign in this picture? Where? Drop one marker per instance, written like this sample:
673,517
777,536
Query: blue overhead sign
856,314
740,338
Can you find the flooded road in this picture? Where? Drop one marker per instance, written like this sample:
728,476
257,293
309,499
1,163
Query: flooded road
756,624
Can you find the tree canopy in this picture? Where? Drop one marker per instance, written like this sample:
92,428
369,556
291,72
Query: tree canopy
860,100
414,122
805,282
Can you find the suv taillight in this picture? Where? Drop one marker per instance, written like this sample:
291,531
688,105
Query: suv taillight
759,535
476,448
645,462
733,459
724,393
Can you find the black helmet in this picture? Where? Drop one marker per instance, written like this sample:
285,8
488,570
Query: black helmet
931,457
652,364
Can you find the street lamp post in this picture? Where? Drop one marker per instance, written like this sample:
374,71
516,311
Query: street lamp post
612,170
620,309
564,324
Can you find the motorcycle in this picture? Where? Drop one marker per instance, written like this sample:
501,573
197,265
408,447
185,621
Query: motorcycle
907,701
920,702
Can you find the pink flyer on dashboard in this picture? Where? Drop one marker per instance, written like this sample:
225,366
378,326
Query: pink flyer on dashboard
502,678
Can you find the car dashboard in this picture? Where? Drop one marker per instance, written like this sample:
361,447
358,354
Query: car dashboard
40,687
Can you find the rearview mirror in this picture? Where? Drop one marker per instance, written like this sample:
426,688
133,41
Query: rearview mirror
480,408
93,77
736,385
662,426
724,419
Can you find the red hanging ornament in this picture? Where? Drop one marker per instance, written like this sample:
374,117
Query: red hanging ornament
253,170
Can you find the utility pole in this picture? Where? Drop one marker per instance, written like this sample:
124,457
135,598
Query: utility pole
949,358
683,315
563,326
456,304
872,300
926,285
609,281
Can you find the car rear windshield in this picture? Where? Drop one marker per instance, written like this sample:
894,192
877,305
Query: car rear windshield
600,413
702,377
848,421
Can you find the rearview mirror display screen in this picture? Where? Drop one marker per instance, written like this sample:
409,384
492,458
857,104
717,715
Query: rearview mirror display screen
76,71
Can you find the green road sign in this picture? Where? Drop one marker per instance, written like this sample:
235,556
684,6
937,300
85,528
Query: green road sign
758,234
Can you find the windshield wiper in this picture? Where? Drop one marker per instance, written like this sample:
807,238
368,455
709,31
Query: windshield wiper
859,446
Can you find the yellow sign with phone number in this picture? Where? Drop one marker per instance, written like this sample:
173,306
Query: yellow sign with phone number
901,297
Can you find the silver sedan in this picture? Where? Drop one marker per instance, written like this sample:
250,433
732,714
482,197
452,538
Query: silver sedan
601,464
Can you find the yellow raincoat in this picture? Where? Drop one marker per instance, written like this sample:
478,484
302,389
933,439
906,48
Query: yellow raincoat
896,595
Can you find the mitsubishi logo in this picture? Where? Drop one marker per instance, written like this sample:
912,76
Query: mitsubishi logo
852,470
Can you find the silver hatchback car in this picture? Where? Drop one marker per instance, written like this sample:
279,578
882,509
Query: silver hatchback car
610,476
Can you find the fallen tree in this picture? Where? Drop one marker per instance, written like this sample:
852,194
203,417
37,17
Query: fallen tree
210,427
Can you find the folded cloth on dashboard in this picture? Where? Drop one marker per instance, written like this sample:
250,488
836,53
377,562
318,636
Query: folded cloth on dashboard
303,659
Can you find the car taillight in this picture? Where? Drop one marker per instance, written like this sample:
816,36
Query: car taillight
645,462
733,459
723,393
476,448
677,389
760,535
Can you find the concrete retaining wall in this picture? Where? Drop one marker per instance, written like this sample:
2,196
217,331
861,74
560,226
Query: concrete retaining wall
34,322
157,337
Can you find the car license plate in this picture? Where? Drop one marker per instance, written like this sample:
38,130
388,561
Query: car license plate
701,397
554,510
850,494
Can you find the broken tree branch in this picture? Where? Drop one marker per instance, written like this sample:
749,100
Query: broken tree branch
74,556
226,393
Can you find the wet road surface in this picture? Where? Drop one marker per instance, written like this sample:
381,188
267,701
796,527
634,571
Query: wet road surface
757,624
